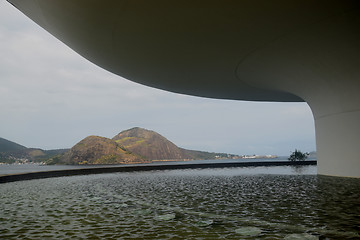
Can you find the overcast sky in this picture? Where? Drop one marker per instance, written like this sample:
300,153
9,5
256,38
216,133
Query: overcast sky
51,97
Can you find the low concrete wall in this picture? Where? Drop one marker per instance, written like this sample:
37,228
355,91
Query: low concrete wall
86,171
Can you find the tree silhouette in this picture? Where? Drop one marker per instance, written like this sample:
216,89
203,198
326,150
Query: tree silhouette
297,155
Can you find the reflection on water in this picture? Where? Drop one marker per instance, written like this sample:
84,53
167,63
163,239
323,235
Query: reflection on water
232,203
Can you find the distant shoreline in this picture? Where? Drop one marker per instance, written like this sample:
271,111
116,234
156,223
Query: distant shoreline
126,168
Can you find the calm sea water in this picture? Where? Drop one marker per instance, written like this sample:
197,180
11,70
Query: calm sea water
229,203
23,168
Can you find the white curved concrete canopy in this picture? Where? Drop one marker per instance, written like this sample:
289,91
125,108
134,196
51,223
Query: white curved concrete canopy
246,50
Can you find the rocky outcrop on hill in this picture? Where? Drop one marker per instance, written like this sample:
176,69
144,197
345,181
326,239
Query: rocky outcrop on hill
99,150
150,145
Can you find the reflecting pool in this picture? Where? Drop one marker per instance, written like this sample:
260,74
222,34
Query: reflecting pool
229,203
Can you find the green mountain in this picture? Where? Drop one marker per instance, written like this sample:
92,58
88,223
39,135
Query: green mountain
99,150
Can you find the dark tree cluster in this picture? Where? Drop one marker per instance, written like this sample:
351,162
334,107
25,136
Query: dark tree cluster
297,155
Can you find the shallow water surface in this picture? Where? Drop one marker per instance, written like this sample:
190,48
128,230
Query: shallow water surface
230,203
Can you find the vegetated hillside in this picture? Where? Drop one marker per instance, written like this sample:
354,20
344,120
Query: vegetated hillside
98,150
11,152
150,145
207,155
8,146
40,155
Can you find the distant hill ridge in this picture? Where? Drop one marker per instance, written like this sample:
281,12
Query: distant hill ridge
135,145
11,152
9,146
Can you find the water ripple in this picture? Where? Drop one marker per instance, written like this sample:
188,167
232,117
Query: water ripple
180,205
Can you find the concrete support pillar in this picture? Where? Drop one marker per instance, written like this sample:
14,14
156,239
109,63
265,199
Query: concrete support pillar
336,109
335,104
334,98
338,144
